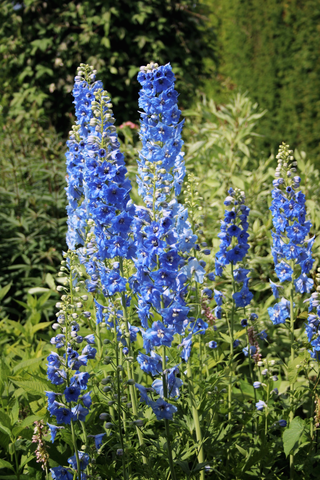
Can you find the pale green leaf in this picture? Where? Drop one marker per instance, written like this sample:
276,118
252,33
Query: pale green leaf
292,435
5,464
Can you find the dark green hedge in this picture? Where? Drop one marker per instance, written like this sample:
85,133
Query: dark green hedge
43,42
271,49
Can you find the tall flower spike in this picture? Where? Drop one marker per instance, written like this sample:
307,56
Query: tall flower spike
83,91
233,247
107,192
291,248
63,367
162,230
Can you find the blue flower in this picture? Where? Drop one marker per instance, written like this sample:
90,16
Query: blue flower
274,288
157,335
163,410
253,350
61,473
193,268
260,405
53,431
83,458
86,399
186,344
90,339
199,326
80,379
63,415
218,296
262,335
54,360
282,423
212,344
150,364
144,395
79,413
72,394
98,439
303,284
240,274
284,272
56,376
278,313
243,298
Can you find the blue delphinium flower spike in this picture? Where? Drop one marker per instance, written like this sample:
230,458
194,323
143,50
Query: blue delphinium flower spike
291,248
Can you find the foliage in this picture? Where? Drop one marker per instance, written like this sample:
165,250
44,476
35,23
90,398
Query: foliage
270,49
42,43
32,200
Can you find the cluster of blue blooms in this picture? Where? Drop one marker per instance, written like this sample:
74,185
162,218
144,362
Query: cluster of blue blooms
291,245
163,235
233,248
313,325
84,89
109,208
63,369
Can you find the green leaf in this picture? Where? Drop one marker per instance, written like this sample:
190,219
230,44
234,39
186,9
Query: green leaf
14,477
241,450
25,423
238,182
184,466
50,281
292,435
31,386
225,337
5,464
28,363
5,290
246,389
41,326
5,419
292,365
38,290
5,430
261,286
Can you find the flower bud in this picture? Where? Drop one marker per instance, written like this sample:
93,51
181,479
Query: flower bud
106,380
104,416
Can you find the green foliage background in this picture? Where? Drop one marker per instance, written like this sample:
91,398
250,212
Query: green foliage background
271,49
42,44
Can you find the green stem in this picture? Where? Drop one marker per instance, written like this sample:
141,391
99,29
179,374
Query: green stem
266,413
166,421
85,439
99,343
196,418
291,416
119,402
251,377
74,441
129,366
17,464
231,328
